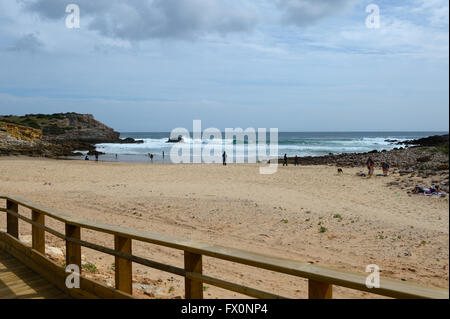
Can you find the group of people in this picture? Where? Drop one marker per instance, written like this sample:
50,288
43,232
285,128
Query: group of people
432,190
285,160
96,154
371,167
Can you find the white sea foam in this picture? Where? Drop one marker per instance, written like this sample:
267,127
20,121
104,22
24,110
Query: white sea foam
292,145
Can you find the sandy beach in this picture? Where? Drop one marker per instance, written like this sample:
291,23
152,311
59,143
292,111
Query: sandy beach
365,221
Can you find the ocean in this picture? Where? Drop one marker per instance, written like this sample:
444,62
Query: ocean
290,143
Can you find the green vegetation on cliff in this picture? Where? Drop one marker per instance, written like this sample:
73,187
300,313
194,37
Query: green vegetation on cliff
48,123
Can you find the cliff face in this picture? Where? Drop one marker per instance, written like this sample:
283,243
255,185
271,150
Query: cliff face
52,135
82,128
19,132
67,127
17,140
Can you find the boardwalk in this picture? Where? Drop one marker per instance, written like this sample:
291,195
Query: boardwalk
18,281
47,279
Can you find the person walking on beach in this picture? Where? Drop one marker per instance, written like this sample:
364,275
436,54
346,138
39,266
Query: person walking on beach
370,166
163,156
385,167
285,160
96,156
224,158
296,160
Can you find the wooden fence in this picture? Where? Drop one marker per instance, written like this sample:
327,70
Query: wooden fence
320,279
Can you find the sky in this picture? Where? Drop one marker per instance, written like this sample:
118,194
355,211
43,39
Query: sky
295,65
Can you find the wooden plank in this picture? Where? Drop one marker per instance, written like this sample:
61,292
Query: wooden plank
255,293
17,269
319,290
38,225
73,250
19,275
193,288
123,267
21,282
37,290
63,217
181,272
38,234
54,273
22,285
12,222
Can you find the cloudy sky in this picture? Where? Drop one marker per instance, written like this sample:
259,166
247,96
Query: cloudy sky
298,65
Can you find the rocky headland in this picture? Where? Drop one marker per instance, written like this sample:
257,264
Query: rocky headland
426,155
415,161
54,135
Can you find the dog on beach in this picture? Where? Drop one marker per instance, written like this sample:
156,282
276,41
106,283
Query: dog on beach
340,171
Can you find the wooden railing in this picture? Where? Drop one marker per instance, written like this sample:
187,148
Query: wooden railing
320,279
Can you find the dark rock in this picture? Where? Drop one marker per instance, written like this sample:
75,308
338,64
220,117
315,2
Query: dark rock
435,140
130,140
175,140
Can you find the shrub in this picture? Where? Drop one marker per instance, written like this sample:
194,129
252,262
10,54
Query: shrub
90,267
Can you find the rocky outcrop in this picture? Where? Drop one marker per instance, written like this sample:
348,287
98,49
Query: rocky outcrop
81,128
179,139
52,135
17,139
422,160
435,140
67,127
130,140
20,132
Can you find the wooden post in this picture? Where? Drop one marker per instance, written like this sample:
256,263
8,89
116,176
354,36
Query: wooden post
123,267
73,250
12,222
319,290
193,289
38,234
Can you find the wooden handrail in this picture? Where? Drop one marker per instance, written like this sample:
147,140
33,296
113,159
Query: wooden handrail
320,279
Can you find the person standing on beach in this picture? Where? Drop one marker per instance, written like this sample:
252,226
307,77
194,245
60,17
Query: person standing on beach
163,156
224,158
285,160
296,160
96,156
385,167
370,166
